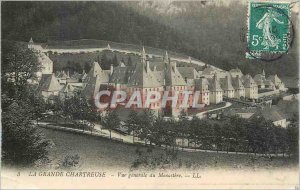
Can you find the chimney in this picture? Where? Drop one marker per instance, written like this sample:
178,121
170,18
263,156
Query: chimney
111,69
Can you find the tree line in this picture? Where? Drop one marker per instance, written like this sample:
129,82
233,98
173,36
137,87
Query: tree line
234,134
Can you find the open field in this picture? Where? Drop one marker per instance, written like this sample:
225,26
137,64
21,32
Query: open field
102,153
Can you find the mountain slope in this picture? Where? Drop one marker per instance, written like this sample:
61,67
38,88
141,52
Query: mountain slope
212,33
217,31
78,20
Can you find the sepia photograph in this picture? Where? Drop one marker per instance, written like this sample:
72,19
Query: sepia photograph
158,94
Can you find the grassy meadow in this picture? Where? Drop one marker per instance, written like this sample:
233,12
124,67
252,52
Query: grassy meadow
96,152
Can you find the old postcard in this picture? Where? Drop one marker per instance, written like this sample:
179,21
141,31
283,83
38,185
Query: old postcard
150,94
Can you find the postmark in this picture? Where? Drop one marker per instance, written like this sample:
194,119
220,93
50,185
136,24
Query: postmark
270,31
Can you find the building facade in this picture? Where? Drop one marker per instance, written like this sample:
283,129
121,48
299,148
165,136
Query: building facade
144,76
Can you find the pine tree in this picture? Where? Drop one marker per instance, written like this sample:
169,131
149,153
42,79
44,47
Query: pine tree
146,124
129,62
87,67
115,61
22,142
133,123
111,121
105,62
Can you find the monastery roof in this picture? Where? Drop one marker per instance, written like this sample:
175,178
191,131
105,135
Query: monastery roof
188,72
209,71
92,87
62,75
79,75
95,70
259,79
103,75
274,78
249,82
268,82
67,88
43,58
214,84
226,83
49,83
120,75
172,75
201,84
160,76
237,83
190,82
143,77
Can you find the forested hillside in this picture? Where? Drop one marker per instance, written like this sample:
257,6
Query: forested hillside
83,20
212,33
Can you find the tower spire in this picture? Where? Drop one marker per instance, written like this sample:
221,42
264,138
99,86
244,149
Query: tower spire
166,58
143,55
263,72
30,43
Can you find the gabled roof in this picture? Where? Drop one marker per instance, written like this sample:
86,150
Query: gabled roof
103,75
188,72
44,59
92,87
259,79
249,82
274,78
62,75
49,83
79,75
67,88
201,84
237,83
120,75
95,70
172,75
209,71
214,84
269,83
143,77
160,76
226,83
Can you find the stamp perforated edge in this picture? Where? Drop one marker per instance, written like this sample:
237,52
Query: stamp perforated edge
259,52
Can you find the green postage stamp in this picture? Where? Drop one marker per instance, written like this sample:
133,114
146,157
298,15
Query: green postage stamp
268,27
